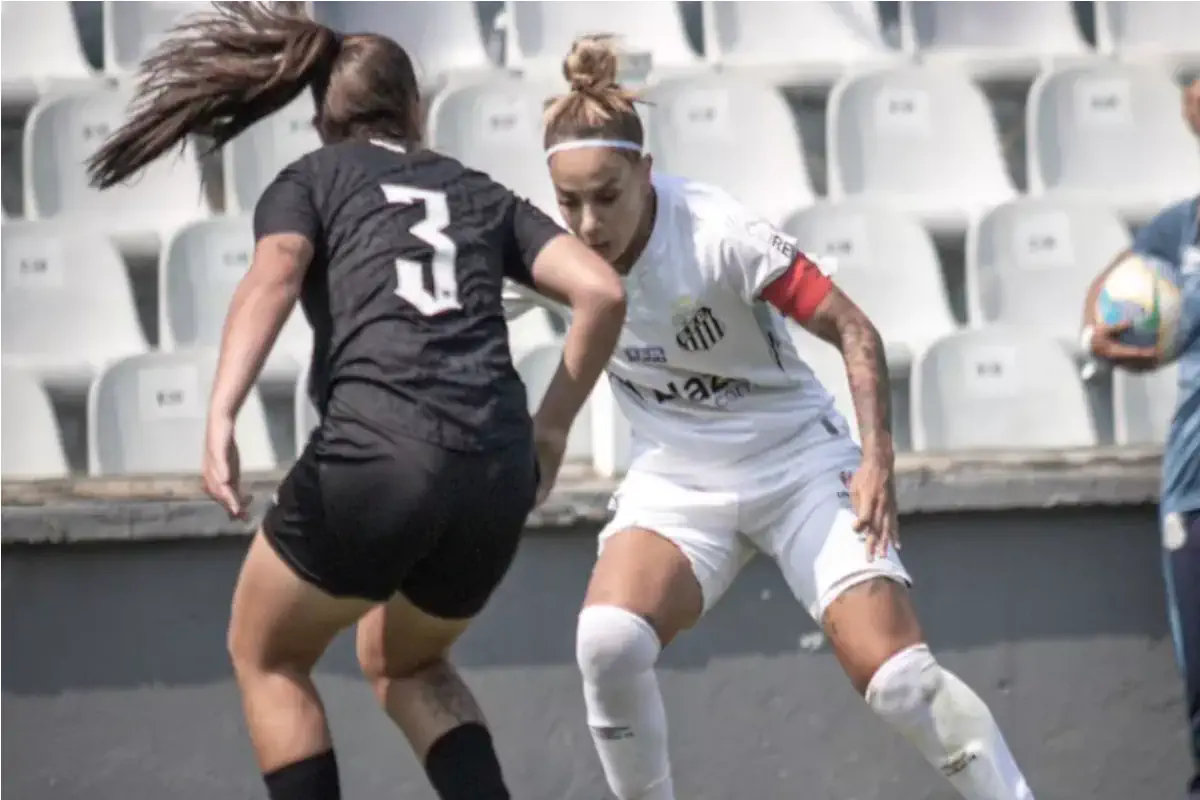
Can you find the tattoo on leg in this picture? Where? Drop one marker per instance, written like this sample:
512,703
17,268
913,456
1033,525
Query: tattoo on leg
445,694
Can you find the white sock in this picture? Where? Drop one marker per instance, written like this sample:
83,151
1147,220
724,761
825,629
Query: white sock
949,724
616,651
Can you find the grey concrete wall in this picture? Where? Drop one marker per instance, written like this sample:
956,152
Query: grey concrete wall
115,683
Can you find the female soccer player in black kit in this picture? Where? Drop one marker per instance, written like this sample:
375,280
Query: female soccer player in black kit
404,511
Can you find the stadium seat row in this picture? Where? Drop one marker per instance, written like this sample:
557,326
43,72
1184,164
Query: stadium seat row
447,38
993,388
68,303
919,140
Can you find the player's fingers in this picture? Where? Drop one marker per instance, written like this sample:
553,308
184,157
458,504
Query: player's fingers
1116,351
881,525
860,502
228,498
1116,329
868,528
870,541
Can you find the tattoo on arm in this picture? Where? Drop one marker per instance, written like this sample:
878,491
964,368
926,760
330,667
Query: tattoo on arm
844,325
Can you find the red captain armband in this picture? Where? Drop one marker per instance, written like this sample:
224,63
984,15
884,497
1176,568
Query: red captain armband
799,290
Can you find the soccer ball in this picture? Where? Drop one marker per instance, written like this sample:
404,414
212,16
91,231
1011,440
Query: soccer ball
1140,291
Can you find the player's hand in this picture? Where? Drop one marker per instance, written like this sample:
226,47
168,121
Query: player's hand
873,495
551,444
222,468
1107,345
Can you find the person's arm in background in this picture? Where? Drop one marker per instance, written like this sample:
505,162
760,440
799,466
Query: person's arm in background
556,265
1159,239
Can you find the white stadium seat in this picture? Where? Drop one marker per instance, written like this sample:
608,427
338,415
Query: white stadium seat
496,127
920,140
531,330
733,133
536,367
1029,264
62,133
33,446
441,36
198,272
251,161
612,438
540,34
68,306
133,30
1110,134
998,388
1149,31
1143,405
992,40
40,51
887,263
146,415
759,39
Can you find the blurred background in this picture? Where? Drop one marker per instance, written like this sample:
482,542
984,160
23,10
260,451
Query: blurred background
970,165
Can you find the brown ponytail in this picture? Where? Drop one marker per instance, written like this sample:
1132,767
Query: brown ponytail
597,107
220,72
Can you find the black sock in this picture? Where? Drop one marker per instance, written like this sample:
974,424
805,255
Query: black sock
462,765
314,778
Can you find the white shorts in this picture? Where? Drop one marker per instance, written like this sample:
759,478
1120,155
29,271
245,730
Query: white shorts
791,503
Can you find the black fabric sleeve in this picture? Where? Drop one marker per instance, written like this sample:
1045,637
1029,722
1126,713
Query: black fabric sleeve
286,206
531,230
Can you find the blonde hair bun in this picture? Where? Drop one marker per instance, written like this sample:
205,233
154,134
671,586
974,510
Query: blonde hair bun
591,65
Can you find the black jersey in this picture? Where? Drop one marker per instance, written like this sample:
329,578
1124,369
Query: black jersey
404,293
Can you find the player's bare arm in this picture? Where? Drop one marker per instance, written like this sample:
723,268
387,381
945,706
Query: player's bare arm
843,324
570,272
260,306
840,322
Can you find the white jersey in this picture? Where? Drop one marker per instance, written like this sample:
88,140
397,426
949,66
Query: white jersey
705,370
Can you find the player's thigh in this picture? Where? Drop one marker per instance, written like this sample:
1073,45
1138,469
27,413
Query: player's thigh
861,602
397,639
279,619
668,555
487,500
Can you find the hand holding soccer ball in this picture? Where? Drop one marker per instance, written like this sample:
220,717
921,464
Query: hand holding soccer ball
1135,321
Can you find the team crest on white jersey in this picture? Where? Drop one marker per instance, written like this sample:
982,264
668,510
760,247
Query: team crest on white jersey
696,328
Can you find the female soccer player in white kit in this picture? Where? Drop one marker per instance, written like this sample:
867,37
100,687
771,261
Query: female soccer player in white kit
737,448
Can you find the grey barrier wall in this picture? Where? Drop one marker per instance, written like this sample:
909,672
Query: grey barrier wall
115,682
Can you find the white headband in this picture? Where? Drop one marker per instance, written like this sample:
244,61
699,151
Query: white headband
579,144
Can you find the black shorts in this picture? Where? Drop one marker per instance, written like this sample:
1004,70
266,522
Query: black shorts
438,526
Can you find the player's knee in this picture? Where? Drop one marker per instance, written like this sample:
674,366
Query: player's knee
612,644
378,665
906,685
245,652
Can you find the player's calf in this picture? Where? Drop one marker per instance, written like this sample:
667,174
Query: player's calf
402,652
949,724
878,640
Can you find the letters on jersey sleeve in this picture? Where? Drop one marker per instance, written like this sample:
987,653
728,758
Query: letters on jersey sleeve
763,263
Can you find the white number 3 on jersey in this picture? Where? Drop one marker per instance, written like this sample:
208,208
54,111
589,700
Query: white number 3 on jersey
410,275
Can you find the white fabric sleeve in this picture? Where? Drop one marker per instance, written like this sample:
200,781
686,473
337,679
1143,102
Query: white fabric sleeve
753,253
